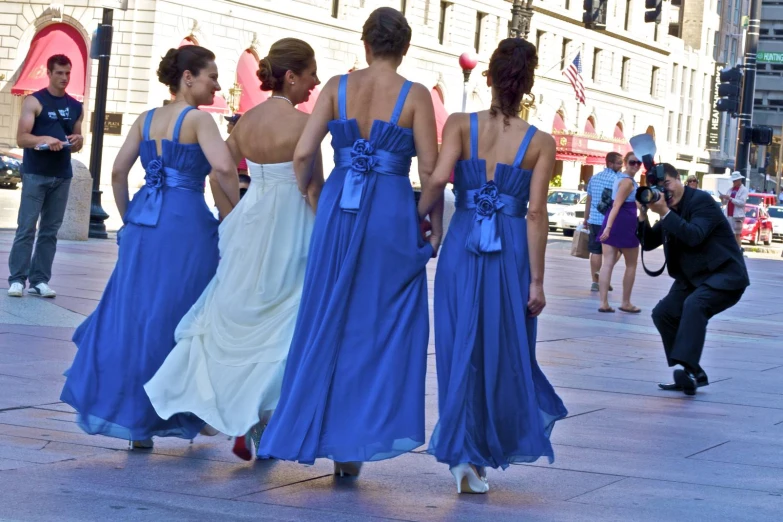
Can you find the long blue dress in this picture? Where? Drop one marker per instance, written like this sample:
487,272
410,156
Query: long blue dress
496,406
168,254
353,389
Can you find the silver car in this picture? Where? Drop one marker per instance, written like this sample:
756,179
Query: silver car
566,209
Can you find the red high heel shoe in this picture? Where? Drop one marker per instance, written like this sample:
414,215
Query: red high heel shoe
243,447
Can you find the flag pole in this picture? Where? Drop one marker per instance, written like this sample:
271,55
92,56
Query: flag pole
560,63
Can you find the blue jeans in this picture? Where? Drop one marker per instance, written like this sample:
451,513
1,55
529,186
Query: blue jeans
44,197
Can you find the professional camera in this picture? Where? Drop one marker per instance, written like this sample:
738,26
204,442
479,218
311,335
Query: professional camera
644,148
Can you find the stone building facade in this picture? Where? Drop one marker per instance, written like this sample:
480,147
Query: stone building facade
639,77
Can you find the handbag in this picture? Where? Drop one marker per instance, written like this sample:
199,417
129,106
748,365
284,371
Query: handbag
579,245
606,201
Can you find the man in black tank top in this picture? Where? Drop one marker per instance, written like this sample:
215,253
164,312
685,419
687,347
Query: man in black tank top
50,128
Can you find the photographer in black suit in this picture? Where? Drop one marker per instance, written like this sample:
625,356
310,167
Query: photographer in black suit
708,270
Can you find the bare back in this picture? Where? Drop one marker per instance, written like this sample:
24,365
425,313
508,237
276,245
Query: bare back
498,143
165,119
371,95
268,133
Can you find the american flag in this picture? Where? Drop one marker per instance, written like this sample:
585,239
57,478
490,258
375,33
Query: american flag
574,74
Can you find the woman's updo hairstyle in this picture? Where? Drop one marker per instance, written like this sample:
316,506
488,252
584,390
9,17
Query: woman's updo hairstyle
387,33
288,54
512,70
191,58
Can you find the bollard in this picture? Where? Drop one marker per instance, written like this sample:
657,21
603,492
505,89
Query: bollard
76,223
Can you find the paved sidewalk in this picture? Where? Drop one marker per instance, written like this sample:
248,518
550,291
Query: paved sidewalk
626,452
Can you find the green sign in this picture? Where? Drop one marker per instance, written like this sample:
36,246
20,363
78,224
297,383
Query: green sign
768,57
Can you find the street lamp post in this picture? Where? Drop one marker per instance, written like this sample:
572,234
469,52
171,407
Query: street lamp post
468,62
521,13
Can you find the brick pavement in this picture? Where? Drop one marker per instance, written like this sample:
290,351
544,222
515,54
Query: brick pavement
626,452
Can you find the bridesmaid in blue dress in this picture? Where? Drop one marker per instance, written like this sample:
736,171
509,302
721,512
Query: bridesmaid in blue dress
496,406
168,252
353,389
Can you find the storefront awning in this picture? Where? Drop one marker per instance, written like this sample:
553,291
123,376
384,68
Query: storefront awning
309,105
53,39
440,112
219,106
620,136
558,125
252,95
588,149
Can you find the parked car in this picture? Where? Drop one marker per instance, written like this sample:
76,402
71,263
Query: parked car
10,166
566,210
761,199
776,216
757,226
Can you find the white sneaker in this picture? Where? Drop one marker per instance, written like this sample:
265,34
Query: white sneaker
16,290
41,290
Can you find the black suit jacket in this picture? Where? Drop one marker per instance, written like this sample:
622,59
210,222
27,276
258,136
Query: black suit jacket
699,244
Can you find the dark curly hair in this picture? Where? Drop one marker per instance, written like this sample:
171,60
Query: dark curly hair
512,70
191,58
387,33
288,54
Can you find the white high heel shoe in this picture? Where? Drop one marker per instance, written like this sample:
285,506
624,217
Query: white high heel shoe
468,480
347,469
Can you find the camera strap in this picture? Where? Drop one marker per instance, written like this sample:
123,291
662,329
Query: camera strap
649,272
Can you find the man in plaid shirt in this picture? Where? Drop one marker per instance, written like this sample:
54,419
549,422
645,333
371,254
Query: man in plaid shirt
593,218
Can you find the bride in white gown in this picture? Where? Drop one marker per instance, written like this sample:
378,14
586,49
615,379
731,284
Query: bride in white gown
228,364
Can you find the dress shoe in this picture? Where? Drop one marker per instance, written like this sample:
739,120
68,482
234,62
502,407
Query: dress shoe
701,380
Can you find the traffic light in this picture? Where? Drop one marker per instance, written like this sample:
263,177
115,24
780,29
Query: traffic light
762,135
594,16
729,90
653,12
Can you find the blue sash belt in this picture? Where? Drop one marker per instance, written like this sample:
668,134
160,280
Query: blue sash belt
146,205
487,203
362,160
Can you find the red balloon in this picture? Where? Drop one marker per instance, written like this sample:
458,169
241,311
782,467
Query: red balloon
468,61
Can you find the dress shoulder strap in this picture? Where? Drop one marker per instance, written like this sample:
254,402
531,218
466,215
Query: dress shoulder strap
523,147
178,125
342,95
145,133
406,87
474,135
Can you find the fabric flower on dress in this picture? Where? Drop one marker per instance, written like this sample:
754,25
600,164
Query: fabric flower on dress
154,177
362,159
486,200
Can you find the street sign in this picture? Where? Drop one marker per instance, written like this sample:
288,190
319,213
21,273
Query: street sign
769,57
121,5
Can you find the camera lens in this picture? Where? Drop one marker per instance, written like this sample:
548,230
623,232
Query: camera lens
647,195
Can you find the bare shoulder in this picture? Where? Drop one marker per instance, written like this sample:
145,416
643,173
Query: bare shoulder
420,93
331,85
31,103
457,119
544,141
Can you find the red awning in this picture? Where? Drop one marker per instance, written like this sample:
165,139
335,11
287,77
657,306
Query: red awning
564,156
440,112
186,41
309,105
558,124
596,160
620,135
219,106
252,95
53,39
589,127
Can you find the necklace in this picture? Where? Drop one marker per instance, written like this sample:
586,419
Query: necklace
282,98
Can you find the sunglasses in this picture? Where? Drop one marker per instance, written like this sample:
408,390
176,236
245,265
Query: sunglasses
693,181
634,163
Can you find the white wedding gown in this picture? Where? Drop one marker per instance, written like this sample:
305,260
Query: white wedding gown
227,367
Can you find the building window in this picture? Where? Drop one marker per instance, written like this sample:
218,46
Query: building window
625,73
564,51
701,143
335,8
733,51
477,37
597,54
539,37
628,15
568,4
444,9
688,130
403,6
670,132
716,46
673,88
656,73
679,129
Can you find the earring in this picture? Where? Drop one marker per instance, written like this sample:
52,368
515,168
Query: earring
189,84
292,83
